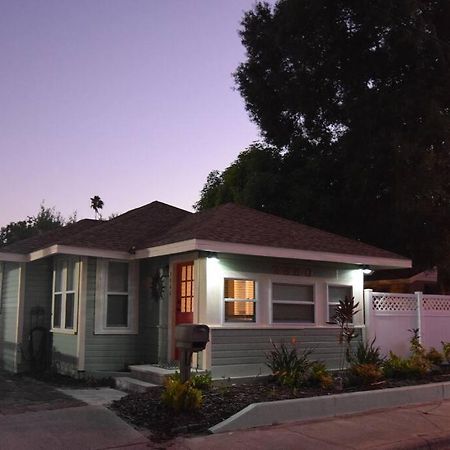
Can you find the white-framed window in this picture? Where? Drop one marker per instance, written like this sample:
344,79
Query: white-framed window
66,278
336,293
116,302
293,303
240,300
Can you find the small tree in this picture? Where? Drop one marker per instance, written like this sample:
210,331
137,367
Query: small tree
45,220
96,204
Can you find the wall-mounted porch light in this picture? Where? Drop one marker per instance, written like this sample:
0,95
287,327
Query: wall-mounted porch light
209,255
366,270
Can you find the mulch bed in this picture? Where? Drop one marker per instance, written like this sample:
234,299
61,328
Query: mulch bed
220,402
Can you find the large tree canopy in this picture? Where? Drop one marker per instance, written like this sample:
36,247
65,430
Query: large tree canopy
355,97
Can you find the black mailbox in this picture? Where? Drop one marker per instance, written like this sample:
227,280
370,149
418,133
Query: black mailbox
192,337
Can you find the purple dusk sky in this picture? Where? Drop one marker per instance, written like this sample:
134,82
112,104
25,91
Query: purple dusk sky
130,100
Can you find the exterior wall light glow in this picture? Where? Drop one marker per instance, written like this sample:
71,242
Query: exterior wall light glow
366,270
212,255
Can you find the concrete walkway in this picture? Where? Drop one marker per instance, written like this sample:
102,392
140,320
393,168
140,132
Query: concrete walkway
417,427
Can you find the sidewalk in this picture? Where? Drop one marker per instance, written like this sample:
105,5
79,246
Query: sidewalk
34,415
416,427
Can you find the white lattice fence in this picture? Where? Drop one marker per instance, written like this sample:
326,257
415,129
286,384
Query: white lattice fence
390,316
435,322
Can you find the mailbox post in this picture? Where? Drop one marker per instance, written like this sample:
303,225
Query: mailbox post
190,338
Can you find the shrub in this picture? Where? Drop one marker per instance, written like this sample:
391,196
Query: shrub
415,346
367,353
434,357
365,373
412,367
181,396
288,367
446,350
202,381
319,375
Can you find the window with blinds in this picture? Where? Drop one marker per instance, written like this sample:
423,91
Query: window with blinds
292,303
240,300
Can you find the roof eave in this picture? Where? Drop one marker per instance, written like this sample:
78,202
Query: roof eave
13,257
375,262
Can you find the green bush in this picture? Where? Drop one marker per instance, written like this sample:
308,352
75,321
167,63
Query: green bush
367,353
446,350
288,366
202,381
181,396
365,373
319,375
412,367
434,357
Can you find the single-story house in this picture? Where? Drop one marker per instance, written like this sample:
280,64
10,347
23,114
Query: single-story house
110,293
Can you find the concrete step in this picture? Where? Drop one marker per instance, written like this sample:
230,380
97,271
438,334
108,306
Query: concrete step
132,384
150,374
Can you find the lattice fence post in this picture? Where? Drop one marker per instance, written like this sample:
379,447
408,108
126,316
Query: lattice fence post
369,318
419,297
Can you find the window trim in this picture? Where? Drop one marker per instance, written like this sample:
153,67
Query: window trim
313,303
329,303
101,298
230,300
63,292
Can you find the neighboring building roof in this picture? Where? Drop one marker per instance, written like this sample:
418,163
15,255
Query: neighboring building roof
158,224
412,274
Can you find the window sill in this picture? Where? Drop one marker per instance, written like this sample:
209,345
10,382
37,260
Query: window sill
107,331
63,331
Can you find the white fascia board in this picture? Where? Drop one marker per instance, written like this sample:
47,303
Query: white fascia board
276,252
80,251
13,257
167,249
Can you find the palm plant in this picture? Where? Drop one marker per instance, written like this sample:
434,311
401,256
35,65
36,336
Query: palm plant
96,204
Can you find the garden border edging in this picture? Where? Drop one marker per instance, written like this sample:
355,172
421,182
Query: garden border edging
271,413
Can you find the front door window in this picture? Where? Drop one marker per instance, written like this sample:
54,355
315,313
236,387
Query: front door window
185,293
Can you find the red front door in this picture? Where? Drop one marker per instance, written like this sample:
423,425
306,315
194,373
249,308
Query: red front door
184,312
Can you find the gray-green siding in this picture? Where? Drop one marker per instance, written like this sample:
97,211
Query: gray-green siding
114,352
231,349
104,351
8,315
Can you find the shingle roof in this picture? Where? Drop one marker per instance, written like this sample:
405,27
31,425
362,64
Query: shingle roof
130,229
158,224
241,225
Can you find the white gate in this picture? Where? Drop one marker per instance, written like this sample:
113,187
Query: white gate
389,316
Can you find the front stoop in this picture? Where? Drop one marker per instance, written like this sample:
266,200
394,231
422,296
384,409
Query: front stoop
129,384
143,377
150,374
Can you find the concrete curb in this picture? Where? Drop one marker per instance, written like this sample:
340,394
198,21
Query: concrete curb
271,413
